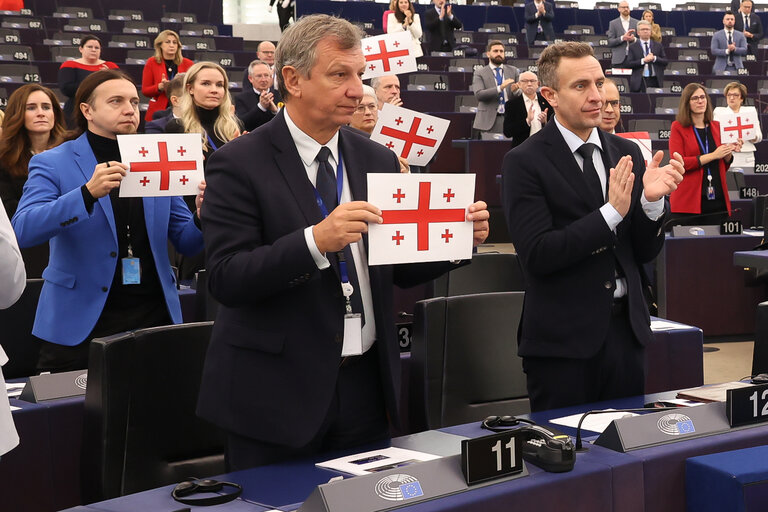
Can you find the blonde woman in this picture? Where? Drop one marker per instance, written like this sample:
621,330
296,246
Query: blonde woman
160,69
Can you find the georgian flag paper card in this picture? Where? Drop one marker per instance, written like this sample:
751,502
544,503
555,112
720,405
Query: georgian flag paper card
389,54
738,126
410,134
424,217
166,164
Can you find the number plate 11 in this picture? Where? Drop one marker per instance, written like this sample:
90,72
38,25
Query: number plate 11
491,457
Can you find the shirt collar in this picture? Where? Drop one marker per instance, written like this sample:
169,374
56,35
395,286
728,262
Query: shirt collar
494,67
574,141
308,147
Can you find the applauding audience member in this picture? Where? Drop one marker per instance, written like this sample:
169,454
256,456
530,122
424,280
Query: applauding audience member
33,123
109,270
749,24
73,72
257,104
696,136
404,18
174,91
526,113
440,22
538,21
493,85
655,28
728,46
647,59
160,69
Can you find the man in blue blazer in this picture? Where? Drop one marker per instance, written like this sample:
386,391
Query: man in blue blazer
275,378
728,46
108,270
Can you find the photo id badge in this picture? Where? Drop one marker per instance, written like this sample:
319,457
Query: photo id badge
353,335
131,271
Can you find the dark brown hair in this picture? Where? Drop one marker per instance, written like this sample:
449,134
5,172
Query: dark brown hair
84,94
15,146
684,111
550,60
400,15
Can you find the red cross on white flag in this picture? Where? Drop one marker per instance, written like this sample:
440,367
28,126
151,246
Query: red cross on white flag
412,135
424,217
738,126
643,141
389,54
169,164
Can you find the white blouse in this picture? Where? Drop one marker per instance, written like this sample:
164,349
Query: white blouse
394,26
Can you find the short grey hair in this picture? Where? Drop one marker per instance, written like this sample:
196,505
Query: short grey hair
298,45
644,22
255,63
369,91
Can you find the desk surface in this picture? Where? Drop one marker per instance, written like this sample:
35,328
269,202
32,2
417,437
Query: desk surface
650,479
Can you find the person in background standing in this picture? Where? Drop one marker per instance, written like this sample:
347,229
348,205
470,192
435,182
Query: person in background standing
161,68
404,18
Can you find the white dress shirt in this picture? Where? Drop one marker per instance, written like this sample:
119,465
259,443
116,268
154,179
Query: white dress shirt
533,102
308,149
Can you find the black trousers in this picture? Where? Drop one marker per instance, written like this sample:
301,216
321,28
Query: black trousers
616,371
356,416
283,15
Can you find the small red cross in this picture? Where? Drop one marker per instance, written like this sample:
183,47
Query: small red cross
399,121
181,150
409,137
399,63
372,67
447,236
449,195
739,126
389,144
420,152
143,151
423,216
396,44
399,195
398,238
430,129
164,166
144,181
183,179
368,48
385,55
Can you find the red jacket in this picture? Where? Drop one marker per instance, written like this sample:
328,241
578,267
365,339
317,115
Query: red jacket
687,197
153,75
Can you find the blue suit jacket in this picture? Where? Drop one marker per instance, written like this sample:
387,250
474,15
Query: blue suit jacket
720,45
84,245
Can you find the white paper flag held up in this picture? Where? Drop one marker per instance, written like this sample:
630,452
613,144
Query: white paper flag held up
738,126
389,54
643,141
167,164
424,217
410,134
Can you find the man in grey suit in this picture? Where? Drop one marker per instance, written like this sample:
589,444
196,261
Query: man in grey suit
728,46
493,85
621,33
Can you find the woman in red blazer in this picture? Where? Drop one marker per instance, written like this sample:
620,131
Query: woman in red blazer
697,138
160,69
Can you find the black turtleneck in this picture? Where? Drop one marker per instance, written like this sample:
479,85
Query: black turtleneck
207,120
128,306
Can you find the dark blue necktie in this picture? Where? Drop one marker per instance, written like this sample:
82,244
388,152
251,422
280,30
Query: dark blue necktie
499,79
326,187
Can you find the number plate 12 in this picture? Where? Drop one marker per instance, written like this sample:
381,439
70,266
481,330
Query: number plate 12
748,405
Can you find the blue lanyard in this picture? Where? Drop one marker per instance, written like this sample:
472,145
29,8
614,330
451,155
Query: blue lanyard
703,145
210,141
324,211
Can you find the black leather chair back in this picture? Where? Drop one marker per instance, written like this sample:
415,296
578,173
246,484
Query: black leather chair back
488,272
141,430
464,362
22,348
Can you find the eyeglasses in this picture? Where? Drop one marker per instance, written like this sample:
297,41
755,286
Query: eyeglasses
362,108
613,103
733,95
529,81
698,98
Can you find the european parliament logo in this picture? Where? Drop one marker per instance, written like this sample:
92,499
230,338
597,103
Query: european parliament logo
398,487
676,424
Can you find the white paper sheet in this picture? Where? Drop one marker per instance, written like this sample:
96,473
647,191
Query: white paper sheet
376,460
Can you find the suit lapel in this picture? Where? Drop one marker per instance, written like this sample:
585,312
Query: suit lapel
563,160
86,162
354,172
292,168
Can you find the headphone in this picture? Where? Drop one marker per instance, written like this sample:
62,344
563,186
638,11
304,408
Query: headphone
193,486
501,423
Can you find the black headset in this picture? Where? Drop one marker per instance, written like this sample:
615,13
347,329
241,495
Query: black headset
194,486
502,423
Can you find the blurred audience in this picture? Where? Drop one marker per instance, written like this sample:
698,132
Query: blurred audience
160,69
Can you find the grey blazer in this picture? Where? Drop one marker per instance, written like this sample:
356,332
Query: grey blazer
615,31
720,45
484,88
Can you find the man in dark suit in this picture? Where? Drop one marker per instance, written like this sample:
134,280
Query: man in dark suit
647,60
526,113
538,21
257,104
584,213
286,265
749,24
440,23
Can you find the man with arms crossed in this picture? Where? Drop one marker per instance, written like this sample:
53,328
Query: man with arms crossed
584,214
